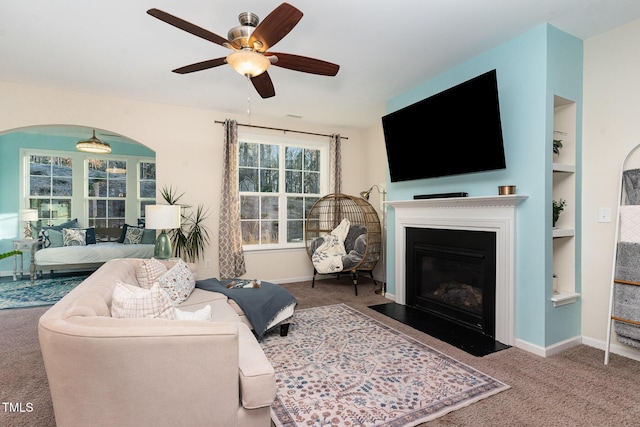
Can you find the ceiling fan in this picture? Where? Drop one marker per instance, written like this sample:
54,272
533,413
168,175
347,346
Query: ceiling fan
250,42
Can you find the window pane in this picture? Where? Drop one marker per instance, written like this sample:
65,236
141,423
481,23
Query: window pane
39,186
269,156
312,160
147,189
250,232
295,208
250,207
116,168
117,188
268,181
97,168
269,232
116,208
293,183
248,179
97,208
311,183
248,154
97,188
40,165
147,171
293,158
308,204
269,208
295,230
62,187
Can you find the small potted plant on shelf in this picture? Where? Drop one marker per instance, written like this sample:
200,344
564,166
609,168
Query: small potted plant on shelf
557,145
558,206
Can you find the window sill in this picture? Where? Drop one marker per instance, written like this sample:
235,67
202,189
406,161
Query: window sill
273,248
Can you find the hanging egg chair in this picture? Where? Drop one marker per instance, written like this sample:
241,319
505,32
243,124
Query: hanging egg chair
363,242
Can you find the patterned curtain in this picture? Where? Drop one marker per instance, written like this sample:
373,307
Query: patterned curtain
335,164
230,234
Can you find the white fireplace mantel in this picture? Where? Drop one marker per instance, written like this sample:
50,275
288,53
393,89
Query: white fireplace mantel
491,213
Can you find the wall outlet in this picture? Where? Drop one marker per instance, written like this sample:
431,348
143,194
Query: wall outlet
207,263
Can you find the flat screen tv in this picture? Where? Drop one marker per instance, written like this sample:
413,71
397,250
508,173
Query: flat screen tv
457,131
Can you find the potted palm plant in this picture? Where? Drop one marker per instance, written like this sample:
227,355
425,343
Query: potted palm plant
190,240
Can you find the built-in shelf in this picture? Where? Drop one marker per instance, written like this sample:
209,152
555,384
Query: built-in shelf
563,298
563,232
563,167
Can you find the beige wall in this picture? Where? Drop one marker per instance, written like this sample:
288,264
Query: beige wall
611,127
188,145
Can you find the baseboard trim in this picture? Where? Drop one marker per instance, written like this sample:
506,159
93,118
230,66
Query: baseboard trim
615,348
550,350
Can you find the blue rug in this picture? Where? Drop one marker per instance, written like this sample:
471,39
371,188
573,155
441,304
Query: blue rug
23,293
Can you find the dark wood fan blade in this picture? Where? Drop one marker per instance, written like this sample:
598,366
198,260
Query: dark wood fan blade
190,28
199,66
305,64
275,26
264,85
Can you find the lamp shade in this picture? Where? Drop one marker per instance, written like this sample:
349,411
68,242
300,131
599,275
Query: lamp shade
162,217
248,63
29,215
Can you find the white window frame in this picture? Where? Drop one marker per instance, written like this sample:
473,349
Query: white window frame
323,147
80,198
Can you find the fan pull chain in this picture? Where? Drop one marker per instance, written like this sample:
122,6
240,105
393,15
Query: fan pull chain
249,98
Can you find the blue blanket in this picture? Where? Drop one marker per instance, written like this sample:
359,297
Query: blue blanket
261,305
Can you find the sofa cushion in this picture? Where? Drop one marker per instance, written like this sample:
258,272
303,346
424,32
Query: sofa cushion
204,314
178,282
133,301
149,271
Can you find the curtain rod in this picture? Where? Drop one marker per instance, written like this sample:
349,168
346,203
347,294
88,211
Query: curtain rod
282,130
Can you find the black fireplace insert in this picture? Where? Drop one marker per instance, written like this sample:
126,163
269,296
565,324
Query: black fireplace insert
452,274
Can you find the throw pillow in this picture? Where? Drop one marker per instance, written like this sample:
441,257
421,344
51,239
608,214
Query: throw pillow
132,301
74,237
53,239
148,237
91,235
43,233
133,236
204,314
123,233
178,282
149,271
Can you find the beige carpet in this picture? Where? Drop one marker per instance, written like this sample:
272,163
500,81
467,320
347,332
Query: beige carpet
573,388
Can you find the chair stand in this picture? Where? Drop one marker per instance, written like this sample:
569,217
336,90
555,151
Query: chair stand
354,278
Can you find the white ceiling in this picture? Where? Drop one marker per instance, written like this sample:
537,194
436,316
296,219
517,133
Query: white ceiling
384,47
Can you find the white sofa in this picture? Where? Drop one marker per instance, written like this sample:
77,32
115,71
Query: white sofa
106,371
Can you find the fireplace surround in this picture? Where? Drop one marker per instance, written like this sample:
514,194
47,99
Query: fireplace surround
496,215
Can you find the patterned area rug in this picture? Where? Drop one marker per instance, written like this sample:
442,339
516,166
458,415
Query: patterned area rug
339,367
23,293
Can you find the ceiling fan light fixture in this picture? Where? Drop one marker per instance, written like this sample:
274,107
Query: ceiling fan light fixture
93,145
248,63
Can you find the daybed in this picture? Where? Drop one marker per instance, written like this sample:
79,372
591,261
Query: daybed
93,251
109,371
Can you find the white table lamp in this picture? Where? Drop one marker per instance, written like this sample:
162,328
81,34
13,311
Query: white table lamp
162,217
28,215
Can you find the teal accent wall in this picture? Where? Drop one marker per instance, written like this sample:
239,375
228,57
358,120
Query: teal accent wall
531,69
10,201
